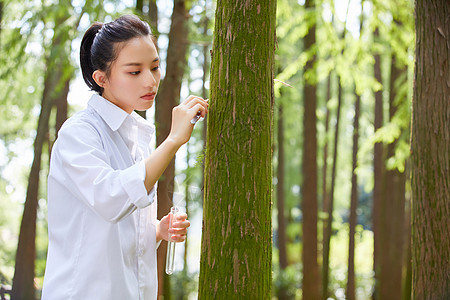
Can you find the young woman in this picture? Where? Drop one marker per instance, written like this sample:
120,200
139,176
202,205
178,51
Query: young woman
103,231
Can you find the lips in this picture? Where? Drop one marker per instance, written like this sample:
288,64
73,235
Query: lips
149,96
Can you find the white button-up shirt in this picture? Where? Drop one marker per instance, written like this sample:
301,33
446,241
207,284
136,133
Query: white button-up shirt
101,220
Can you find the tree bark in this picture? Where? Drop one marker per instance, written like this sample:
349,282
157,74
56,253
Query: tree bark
167,99
153,16
325,198
329,220
407,278
311,278
281,234
393,204
430,150
378,171
236,252
54,88
351,288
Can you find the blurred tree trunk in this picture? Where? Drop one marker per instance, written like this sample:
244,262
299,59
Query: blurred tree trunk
393,204
311,277
61,106
206,65
351,285
139,9
1,20
167,99
281,233
430,148
152,13
329,218
54,89
187,182
407,277
325,198
378,163
328,224
236,252
152,18
351,288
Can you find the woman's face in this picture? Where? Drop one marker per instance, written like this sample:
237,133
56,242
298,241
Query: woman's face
134,76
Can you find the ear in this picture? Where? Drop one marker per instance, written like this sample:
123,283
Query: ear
99,77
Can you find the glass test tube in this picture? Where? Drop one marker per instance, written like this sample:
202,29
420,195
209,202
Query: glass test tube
170,256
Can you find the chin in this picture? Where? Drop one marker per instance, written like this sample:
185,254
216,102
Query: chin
145,106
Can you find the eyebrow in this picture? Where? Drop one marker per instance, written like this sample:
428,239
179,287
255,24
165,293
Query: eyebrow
138,64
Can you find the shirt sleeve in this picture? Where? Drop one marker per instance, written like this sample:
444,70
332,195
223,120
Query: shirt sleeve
81,161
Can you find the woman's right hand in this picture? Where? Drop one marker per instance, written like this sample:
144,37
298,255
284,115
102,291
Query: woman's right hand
182,115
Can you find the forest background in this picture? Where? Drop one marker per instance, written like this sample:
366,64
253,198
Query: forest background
362,62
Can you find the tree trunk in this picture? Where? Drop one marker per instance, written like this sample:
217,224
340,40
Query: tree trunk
153,16
281,234
54,88
206,66
351,288
61,106
430,150
236,242
1,21
329,220
378,172
407,270
393,204
325,198
311,278
167,99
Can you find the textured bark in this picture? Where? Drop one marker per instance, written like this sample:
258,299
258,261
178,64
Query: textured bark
378,171
311,278
281,234
236,242
167,99
430,150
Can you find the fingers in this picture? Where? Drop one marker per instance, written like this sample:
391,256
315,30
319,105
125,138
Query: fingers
179,227
196,104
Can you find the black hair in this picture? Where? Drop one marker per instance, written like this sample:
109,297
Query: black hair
99,45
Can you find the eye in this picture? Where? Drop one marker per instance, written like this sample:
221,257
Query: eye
134,73
155,68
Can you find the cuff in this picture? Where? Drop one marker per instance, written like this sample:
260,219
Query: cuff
132,180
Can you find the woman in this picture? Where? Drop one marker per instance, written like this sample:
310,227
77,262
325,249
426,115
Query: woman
103,231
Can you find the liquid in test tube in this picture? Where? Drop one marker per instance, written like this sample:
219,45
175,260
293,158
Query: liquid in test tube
170,256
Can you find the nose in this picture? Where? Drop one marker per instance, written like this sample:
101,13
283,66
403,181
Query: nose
149,79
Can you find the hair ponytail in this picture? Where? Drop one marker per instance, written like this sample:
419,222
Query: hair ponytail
98,50
87,67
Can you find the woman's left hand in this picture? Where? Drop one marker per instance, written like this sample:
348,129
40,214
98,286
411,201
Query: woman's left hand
178,230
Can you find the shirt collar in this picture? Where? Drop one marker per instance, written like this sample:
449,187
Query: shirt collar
113,115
